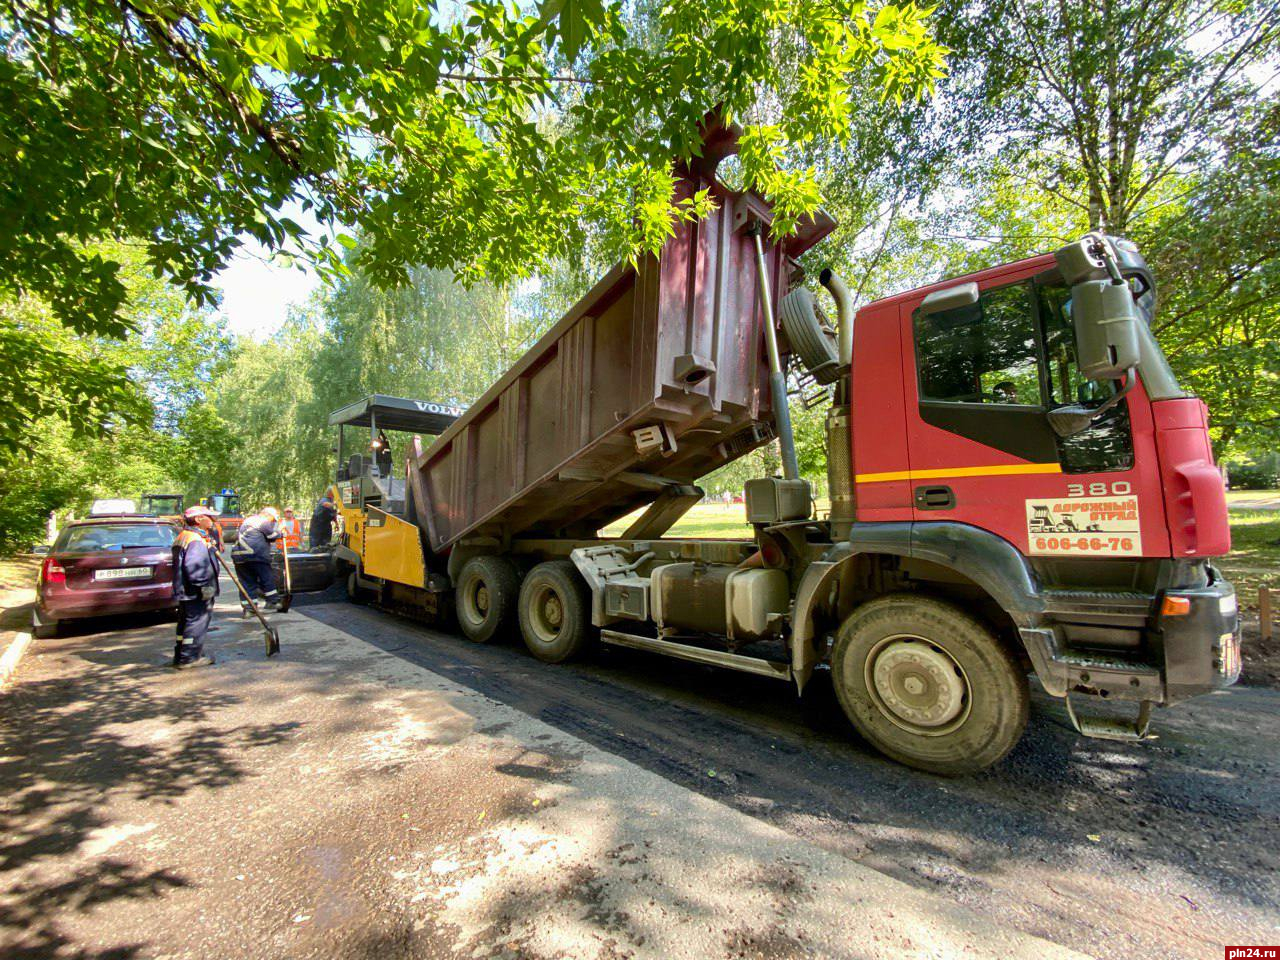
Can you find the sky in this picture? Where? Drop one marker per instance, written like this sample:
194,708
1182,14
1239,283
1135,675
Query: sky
257,292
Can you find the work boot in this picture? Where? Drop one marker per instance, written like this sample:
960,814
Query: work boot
245,610
199,662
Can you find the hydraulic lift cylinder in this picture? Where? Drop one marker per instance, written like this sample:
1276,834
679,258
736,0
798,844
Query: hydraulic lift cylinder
777,379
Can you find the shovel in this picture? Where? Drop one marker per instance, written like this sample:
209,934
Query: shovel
286,601
273,635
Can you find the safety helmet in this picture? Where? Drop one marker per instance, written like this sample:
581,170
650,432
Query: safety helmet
271,513
199,510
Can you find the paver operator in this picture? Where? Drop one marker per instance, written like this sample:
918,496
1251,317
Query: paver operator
322,521
252,555
195,585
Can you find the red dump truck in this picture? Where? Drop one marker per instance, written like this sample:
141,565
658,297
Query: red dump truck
1018,485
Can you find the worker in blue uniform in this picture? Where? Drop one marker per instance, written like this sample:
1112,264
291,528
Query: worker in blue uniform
195,585
252,555
322,520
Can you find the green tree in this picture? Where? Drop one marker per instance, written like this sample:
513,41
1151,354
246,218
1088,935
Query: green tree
46,371
1153,121
1103,103
66,444
1216,251
431,338
441,140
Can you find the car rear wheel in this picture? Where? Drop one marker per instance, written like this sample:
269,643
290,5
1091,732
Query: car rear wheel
485,597
929,685
43,628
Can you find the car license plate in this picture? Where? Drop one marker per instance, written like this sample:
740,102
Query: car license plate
123,573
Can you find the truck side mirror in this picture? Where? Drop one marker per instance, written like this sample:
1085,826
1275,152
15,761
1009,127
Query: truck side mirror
952,298
1072,419
1106,322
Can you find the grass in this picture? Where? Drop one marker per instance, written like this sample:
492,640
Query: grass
17,587
1254,560
718,521
1253,496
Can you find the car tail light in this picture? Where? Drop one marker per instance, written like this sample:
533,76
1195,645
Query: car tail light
52,572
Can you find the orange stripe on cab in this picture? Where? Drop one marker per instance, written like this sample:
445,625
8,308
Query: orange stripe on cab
995,470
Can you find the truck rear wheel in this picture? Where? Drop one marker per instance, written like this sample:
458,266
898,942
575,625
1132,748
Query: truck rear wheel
555,612
485,597
928,685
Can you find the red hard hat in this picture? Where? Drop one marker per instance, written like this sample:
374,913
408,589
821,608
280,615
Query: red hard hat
199,511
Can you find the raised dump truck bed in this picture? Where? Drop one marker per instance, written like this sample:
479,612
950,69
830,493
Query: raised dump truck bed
654,378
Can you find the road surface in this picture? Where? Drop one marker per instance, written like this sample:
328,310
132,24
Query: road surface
1113,849
384,789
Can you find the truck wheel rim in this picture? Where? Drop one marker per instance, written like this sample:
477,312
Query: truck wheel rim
475,602
546,614
917,685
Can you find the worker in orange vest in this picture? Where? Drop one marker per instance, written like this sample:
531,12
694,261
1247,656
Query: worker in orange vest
291,527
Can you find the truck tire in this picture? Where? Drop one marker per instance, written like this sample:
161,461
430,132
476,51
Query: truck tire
555,612
485,597
928,685
355,594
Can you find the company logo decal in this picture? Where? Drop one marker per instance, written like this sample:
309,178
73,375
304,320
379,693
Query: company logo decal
425,407
1084,527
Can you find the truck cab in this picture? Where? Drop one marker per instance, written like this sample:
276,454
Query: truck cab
1096,542
226,504
162,505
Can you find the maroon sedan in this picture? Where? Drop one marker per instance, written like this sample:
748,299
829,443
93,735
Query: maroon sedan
105,566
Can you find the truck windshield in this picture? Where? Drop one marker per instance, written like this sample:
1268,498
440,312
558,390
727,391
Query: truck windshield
227,506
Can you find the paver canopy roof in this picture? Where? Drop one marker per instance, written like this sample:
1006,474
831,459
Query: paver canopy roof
397,413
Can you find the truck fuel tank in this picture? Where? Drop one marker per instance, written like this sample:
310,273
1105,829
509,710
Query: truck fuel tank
742,604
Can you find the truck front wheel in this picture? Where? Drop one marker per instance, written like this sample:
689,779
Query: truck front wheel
928,685
485,597
555,611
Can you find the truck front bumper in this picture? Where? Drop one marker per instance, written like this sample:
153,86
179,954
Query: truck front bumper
1201,648
1193,647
